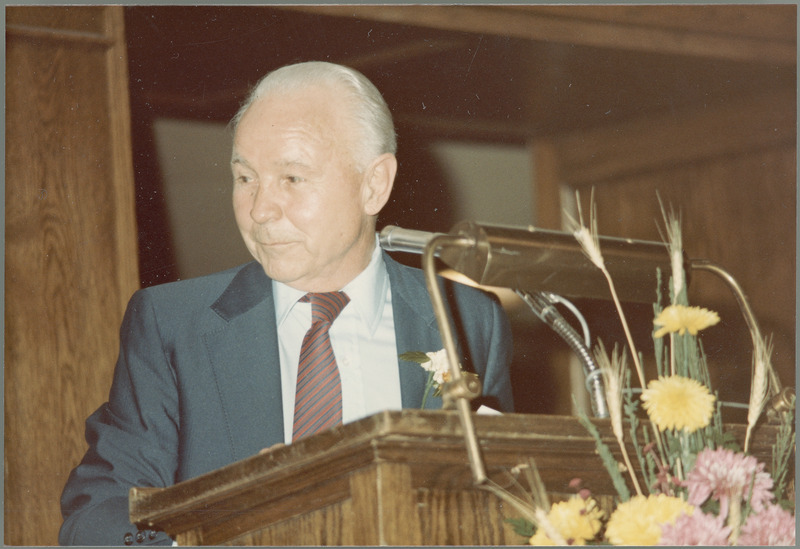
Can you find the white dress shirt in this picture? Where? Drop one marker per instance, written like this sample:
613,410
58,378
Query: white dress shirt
363,341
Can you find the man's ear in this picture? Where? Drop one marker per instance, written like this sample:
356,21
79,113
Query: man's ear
378,183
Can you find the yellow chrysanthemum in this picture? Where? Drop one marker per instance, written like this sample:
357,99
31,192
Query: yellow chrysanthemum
682,319
577,520
679,403
638,521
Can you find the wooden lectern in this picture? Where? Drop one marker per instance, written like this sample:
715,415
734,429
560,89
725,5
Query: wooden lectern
395,478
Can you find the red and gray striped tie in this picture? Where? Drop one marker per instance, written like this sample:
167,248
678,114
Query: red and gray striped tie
318,400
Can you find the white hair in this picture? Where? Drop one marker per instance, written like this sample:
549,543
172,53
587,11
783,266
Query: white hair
368,108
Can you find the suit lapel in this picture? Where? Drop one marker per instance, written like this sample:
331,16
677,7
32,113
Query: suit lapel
246,362
415,330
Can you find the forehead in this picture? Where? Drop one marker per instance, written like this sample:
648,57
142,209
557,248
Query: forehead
313,111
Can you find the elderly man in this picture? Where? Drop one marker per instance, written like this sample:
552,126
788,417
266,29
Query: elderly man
306,337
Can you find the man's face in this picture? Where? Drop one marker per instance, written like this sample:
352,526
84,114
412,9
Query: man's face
300,202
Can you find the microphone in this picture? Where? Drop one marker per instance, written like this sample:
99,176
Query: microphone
543,260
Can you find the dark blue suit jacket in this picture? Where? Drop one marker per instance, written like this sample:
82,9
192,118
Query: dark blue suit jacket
197,385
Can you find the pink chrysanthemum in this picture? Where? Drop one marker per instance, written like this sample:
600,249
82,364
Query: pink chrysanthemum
721,473
696,529
772,526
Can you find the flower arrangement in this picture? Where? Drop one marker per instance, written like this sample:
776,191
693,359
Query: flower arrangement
700,487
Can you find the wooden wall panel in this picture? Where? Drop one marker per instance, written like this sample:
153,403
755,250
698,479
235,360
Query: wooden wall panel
70,263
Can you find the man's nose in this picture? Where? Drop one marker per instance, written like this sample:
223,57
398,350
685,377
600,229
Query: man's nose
266,205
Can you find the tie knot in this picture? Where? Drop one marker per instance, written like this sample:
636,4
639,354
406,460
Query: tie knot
325,307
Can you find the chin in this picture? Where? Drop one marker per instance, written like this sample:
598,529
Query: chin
285,276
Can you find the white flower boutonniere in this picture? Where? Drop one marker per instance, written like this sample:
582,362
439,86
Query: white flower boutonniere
437,365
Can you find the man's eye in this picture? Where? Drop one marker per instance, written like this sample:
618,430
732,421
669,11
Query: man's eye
242,179
293,179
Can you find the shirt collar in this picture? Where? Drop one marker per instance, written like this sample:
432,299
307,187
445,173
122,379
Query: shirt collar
367,292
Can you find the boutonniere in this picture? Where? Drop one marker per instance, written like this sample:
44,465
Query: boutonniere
437,366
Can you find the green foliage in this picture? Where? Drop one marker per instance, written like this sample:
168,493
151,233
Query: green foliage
421,358
715,437
782,452
631,409
415,356
662,364
609,461
522,527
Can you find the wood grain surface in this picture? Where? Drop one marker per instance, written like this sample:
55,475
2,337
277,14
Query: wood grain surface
70,246
395,478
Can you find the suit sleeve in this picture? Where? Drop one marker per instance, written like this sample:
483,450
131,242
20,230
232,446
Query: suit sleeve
133,440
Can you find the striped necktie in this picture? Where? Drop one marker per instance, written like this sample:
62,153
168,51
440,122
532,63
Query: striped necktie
318,398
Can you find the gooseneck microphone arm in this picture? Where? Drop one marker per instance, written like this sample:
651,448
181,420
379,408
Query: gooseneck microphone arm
544,308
